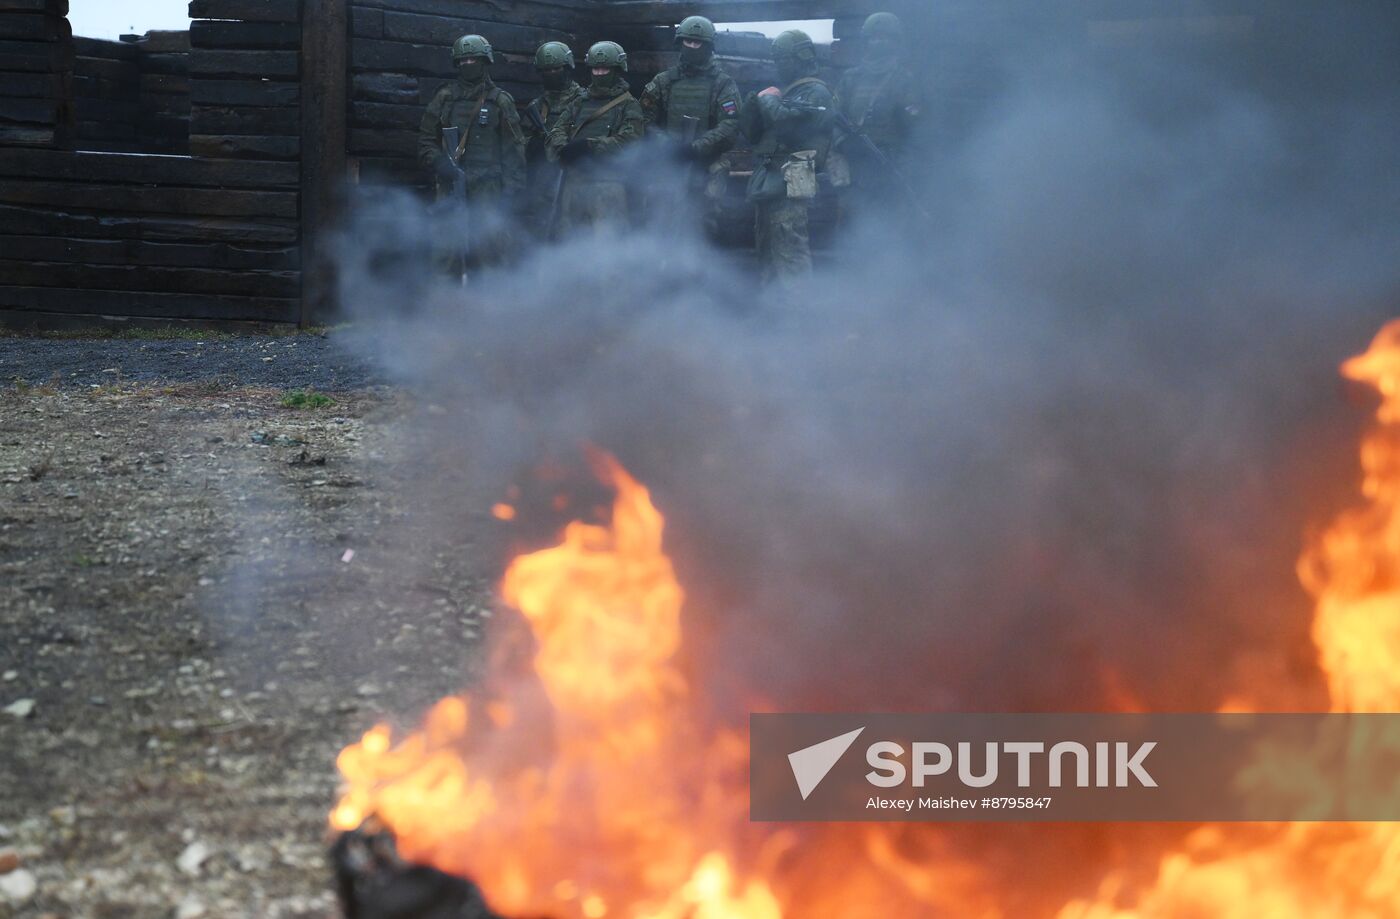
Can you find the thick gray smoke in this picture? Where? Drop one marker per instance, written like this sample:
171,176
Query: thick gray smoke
1058,450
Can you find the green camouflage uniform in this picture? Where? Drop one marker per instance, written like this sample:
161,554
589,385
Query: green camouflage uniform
543,174
494,158
706,93
779,130
595,189
882,99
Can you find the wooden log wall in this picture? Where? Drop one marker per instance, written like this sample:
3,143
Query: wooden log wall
165,91
36,73
400,56
148,236
245,88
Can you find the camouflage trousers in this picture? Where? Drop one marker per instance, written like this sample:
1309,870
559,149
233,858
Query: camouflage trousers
783,242
590,203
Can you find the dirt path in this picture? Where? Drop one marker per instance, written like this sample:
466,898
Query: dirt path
179,602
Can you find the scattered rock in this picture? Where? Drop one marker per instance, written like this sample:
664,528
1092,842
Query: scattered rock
191,908
10,676
18,886
9,860
21,708
194,856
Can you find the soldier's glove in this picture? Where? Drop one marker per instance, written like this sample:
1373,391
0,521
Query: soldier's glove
574,151
444,169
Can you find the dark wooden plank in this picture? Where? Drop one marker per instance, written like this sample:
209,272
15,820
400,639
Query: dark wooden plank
154,304
87,131
164,84
367,54
141,252
26,136
163,41
386,88
172,63
243,146
443,30
36,56
244,64
101,47
324,133
123,72
247,10
34,27
245,35
285,121
35,85
46,221
200,202
147,277
670,12
31,111
244,92
379,142
140,170
380,115
558,14
51,7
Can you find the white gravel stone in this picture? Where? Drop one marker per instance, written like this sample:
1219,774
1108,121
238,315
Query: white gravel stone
21,708
18,886
190,860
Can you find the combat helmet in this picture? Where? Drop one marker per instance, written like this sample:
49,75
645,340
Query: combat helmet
472,46
882,25
606,54
696,28
554,54
794,43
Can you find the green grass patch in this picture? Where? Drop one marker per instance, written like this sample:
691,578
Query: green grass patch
306,398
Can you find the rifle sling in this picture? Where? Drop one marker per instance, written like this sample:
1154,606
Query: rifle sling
467,134
616,101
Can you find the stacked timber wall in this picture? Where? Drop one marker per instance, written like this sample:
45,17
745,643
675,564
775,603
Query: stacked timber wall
36,73
245,79
133,96
148,236
112,229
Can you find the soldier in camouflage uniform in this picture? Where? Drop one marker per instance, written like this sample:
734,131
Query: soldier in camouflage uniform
880,97
699,89
554,62
791,129
491,152
588,138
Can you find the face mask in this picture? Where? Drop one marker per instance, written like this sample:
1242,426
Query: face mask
881,49
790,69
471,71
696,57
612,81
554,79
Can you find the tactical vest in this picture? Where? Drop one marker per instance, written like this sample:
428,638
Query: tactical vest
869,100
552,104
689,94
595,168
481,125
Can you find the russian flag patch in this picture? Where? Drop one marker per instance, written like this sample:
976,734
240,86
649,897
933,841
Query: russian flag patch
730,107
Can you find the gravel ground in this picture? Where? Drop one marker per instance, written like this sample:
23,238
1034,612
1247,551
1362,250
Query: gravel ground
286,362
203,597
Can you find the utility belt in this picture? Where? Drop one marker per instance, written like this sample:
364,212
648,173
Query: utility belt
796,177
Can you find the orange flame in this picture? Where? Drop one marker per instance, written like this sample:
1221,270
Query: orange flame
1314,871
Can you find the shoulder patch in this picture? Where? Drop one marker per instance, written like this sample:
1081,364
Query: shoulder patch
730,107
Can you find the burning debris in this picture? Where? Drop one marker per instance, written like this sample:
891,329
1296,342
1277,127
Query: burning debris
373,882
